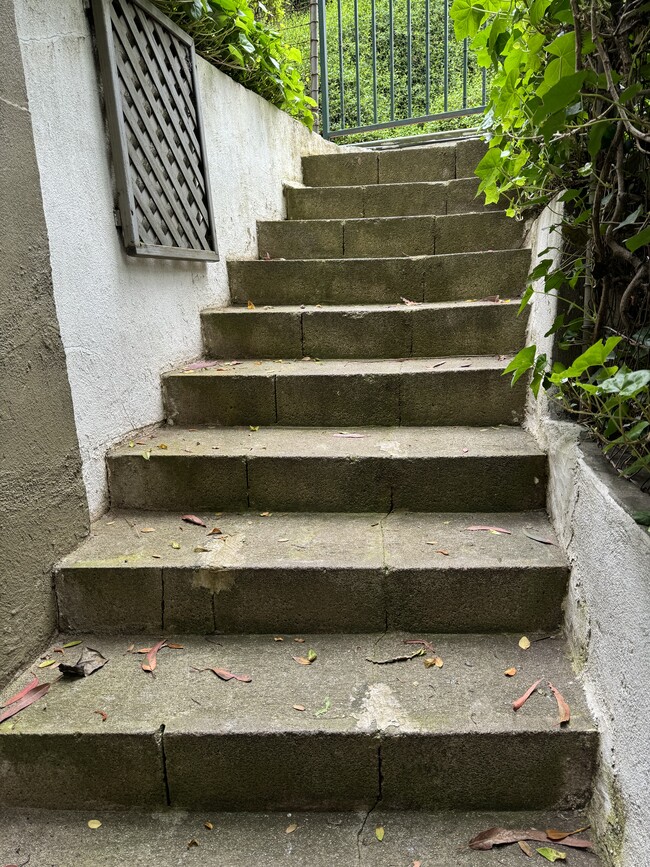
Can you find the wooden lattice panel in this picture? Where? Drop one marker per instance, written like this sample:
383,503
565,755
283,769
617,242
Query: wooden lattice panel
149,76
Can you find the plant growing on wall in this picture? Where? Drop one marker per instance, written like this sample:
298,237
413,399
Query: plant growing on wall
237,37
568,117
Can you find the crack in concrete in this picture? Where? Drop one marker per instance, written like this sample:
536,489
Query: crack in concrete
378,799
161,737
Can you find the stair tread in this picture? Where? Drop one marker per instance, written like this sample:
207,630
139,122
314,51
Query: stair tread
469,695
489,215
361,308
243,839
338,367
399,540
296,442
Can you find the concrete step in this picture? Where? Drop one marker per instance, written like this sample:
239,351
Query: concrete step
315,469
364,331
388,236
458,391
409,736
161,838
439,162
280,574
385,200
450,277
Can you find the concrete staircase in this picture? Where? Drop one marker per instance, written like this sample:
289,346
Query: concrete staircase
354,426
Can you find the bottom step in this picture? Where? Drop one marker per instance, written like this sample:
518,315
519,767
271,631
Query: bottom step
171,839
342,733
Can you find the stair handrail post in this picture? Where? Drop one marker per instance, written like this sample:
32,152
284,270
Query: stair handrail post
324,80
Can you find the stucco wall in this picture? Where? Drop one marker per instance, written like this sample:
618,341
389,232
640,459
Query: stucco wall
42,501
124,321
607,608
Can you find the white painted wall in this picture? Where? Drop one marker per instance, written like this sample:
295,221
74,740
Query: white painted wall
124,321
608,605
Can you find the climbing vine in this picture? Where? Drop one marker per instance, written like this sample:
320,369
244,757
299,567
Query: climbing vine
568,118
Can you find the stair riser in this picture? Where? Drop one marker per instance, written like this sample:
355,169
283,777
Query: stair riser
436,163
385,200
126,600
404,332
454,277
398,236
328,484
286,771
473,397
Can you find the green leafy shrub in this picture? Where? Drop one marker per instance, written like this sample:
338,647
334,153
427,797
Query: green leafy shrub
237,36
569,117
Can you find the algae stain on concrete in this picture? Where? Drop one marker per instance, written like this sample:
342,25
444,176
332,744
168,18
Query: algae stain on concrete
381,709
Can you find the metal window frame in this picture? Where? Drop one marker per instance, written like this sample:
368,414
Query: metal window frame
101,11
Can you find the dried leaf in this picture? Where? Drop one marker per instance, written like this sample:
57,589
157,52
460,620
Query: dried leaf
265,514
392,659
426,644
520,702
537,538
30,686
102,714
192,519
299,707
175,646
176,546
250,305
556,836
510,672
94,824
433,661
28,698
299,640
148,530
152,662
491,529
46,663
163,446
524,642
71,644
551,854
208,825
562,706
278,638
379,833
192,843
146,454
90,660
215,531
291,828
525,848
441,551
493,298
302,660
200,550
222,674
503,837
417,864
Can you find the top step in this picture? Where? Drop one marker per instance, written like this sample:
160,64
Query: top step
440,162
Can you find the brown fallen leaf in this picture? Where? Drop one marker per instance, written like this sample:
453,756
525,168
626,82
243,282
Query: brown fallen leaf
520,702
291,828
23,692
173,646
215,531
192,519
426,644
222,674
524,642
510,672
302,660
503,837
91,660
278,638
562,706
299,640
433,661
442,551
152,662
265,514
476,527
148,530
208,825
102,714
25,701
192,843
200,550
250,305
525,848
163,446
392,659
408,302
544,540
299,707
556,836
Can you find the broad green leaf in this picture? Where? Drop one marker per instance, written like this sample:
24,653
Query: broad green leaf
626,383
595,356
639,240
467,17
630,219
596,133
559,96
521,363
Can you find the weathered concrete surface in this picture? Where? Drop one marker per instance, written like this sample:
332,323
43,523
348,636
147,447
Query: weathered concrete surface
43,504
280,573
461,390
243,839
315,469
450,277
388,236
447,737
419,330
384,200
149,312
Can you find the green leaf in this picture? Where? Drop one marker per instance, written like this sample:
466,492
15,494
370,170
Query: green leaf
559,96
626,383
551,854
525,298
642,518
596,133
467,18
521,363
595,356
639,240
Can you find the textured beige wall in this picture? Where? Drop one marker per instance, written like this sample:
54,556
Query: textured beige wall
43,505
